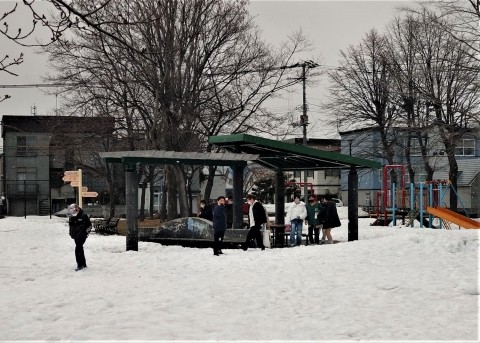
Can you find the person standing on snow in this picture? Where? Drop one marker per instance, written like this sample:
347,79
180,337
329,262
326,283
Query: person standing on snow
79,228
219,225
257,216
331,220
313,210
205,211
295,215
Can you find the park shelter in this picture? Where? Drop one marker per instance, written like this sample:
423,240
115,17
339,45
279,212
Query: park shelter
241,148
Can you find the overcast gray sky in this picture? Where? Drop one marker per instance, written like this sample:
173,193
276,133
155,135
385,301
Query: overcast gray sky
330,25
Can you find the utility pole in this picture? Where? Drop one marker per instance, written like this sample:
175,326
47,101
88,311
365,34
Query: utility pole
304,117
304,123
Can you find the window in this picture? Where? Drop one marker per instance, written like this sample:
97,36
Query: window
466,147
21,146
297,174
26,145
25,177
332,173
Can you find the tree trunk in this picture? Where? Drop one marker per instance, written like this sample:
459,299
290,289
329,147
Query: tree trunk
209,185
172,208
151,181
142,201
452,175
182,191
111,190
163,202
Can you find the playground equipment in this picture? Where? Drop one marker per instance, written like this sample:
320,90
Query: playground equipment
453,217
423,203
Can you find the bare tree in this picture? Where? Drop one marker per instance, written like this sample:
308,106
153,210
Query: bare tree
448,85
461,20
199,62
53,19
361,91
403,37
5,66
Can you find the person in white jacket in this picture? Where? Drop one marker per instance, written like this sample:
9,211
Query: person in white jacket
296,214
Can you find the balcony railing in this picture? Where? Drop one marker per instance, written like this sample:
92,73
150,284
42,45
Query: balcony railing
22,188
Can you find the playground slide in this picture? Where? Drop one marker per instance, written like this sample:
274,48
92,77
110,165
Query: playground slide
453,217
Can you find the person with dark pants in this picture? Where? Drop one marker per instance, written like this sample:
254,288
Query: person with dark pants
313,208
256,218
229,212
205,211
79,228
219,225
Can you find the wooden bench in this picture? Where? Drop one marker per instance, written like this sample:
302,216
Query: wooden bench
107,226
287,237
97,223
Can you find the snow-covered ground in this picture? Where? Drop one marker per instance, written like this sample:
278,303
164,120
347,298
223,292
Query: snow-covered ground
392,284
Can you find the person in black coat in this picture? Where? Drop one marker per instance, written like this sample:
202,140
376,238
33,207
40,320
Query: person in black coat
256,218
229,212
331,219
205,211
79,228
219,225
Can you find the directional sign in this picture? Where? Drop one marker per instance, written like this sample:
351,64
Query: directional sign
89,194
70,178
74,183
70,172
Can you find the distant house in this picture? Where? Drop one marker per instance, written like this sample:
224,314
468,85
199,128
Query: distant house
37,152
321,181
366,143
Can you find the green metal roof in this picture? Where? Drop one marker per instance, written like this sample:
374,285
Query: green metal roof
172,157
287,156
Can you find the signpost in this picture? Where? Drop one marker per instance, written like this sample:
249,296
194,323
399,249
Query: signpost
75,179
89,194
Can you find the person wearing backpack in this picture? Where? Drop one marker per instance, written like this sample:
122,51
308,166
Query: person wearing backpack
79,228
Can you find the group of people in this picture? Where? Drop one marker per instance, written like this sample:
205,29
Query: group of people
319,215
257,216
206,211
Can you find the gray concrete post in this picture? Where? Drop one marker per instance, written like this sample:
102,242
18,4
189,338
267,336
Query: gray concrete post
352,204
279,197
131,208
237,196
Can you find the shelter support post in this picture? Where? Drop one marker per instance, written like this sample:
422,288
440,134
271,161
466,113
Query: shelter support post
352,204
279,197
237,196
279,226
131,208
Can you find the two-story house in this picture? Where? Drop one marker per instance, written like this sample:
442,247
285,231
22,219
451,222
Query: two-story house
322,182
366,143
37,152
